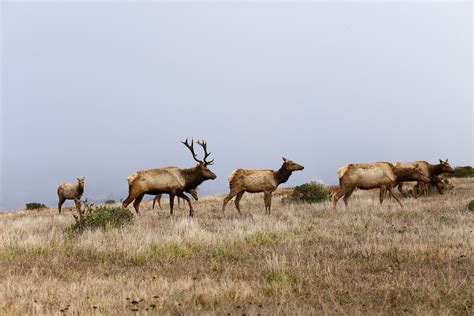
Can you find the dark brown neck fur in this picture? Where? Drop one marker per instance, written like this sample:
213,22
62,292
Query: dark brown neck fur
282,175
193,178
403,174
435,169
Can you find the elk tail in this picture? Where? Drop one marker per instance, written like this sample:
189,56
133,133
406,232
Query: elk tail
341,171
132,179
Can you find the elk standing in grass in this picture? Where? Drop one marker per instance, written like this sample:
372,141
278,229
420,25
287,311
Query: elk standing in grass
255,181
170,180
432,171
366,176
157,198
71,191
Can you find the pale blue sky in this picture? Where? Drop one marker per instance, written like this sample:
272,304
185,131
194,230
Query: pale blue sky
101,89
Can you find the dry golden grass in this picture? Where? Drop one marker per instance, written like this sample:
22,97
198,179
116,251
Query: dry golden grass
302,259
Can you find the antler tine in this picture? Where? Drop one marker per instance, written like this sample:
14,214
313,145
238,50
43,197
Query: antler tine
203,144
191,148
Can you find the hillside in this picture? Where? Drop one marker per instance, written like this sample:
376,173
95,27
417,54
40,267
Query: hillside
302,259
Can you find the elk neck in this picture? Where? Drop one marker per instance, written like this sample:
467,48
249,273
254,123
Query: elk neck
282,175
435,169
80,188
193,177
402,173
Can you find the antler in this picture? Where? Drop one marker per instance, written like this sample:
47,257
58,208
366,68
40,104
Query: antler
203,144
191,148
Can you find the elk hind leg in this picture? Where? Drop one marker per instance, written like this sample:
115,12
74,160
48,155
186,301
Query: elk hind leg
60,204
394,196
347,195
237,200
228,198
187,199
136,204
171,203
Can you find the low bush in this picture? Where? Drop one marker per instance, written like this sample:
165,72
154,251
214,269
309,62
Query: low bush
91,217
470,205
461,172
35,206
110,202
311,192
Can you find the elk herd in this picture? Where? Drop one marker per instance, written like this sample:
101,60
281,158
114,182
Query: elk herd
176,182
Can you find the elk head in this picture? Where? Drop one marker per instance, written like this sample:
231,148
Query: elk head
291,165
80,181
445,166
202,164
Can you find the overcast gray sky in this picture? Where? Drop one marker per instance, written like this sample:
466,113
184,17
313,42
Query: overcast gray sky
103,89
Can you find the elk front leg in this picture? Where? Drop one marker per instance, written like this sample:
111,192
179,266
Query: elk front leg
267,197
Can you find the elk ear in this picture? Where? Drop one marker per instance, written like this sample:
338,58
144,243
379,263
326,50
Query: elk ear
446,161
284,159
440,161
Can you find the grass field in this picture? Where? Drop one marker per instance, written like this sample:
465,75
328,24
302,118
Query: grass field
302,259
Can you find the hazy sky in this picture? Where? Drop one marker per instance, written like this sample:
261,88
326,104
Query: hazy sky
102,89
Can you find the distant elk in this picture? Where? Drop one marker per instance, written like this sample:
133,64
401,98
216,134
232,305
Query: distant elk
432,171
71,191
157,198
170,180
382,175
255,181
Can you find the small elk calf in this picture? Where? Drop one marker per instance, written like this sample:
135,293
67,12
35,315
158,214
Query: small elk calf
157,198
255,181
71,191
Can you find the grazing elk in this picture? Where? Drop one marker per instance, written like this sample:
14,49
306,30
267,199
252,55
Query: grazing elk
366,176
170,180
157,198
255,181
432,171
71,191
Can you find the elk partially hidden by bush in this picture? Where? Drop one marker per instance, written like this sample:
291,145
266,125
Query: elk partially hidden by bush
431,171
71,191
157,198
255,181
170,180
382,175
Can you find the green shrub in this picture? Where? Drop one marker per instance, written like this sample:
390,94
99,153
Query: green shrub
35,206
91,217
110,202
311,192
470,205
461,172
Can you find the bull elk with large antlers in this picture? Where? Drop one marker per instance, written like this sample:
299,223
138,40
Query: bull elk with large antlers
170,180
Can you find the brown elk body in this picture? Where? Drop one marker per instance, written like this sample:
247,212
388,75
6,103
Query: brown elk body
71,191
432,171
255,181
366,176
170,180
157,198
